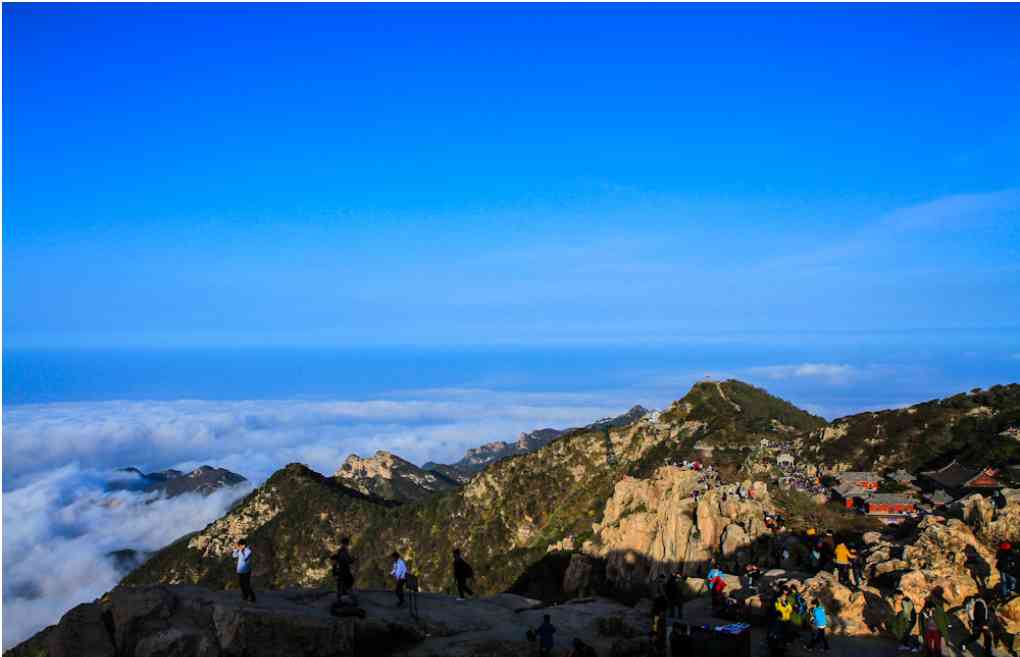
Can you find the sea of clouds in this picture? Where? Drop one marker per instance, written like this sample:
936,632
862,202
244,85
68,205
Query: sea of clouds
61,518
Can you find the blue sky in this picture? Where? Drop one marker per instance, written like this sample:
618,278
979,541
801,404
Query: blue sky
309,175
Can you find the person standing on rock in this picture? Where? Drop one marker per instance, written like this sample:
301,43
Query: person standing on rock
342,563
819,623
462,572
659,628
399,574
905,622
1006,564
935,623
674,599
545,634
841,557
242,552
977,611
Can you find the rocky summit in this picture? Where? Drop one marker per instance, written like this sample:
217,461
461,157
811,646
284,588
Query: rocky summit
392,478
727,474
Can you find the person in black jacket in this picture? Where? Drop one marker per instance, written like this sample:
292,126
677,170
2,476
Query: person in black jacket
342,562
674,598
462,572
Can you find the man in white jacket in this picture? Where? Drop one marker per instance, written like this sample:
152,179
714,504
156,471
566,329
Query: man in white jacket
399,573
242,552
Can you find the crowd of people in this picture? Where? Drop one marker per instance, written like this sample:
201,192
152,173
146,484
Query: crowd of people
790,617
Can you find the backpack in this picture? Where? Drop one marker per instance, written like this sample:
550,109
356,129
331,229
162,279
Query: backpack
469,572
980,612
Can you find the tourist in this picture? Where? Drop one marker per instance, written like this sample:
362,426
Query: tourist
905,622
819,623
716,586
342,563
242,552
681,643
751,575
977,612
545,634
784,609
841,556
826,546
659,628
462,572
935,623
815,558
1006,563
674,598
857,566
399,575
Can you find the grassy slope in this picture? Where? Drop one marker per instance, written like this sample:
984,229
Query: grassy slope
929,434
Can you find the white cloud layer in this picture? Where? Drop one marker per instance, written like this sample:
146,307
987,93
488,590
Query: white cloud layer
60,529
254,438
59,524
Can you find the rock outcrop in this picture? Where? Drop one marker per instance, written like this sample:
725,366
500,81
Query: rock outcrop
390,477
188,621
653,526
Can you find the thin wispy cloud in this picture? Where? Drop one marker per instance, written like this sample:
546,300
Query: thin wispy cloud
833,373
956,211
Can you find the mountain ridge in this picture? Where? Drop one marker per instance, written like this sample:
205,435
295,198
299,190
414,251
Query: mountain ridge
507,517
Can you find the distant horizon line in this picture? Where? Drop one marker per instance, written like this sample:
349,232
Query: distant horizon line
153,342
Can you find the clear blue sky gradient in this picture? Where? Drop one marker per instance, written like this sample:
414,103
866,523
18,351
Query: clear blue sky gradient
322,174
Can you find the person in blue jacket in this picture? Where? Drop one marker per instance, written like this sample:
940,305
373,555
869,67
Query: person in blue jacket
819,624
545,634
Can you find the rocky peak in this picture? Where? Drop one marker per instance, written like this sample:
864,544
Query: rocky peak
390,477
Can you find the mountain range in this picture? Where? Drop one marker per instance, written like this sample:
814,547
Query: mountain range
171,483
509,515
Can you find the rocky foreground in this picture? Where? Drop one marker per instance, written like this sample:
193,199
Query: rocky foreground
189,621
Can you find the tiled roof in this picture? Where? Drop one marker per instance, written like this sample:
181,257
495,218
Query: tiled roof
858,476
953,475
890,498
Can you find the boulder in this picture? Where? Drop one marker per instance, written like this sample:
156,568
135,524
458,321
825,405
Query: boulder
137,612
577,579
854,613
81,632
974,510
733,539
1009,615
258,632
872,538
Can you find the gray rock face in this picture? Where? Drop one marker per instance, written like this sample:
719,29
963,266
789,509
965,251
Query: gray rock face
189,621
82,632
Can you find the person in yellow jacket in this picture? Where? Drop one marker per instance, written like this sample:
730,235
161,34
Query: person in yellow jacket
784,607
842,559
